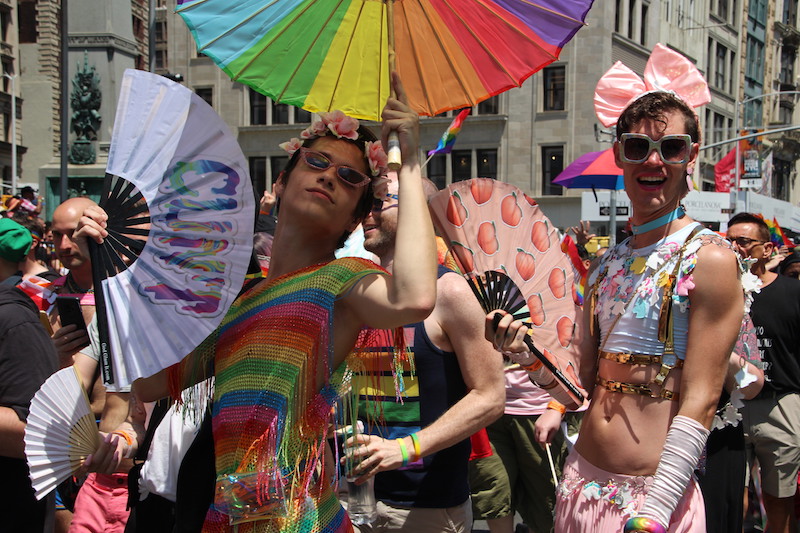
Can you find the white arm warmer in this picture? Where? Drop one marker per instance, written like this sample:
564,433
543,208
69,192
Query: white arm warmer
685,442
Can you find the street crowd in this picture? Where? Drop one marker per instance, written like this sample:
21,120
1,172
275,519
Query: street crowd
687,348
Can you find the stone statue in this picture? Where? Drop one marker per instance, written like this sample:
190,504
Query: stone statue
86,99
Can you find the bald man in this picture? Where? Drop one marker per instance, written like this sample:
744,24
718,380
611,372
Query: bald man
102,498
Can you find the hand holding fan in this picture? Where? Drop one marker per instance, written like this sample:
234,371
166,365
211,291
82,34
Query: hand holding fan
61,431
511,255
181,216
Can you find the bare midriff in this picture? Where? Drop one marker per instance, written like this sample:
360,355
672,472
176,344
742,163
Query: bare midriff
625,433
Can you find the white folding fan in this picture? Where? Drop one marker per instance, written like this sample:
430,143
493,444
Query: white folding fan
181,216
61,431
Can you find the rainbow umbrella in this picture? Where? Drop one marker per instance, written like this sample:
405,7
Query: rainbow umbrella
593,170
335,54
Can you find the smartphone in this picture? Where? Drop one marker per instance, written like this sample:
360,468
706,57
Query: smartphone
69,311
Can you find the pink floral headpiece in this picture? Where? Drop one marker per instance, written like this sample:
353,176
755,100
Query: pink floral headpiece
341,126
666,70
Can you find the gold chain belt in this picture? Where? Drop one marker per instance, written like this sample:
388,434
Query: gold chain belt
636,359
642,389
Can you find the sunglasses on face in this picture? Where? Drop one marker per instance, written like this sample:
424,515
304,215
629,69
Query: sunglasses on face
745,242
378,204
673,149
317,161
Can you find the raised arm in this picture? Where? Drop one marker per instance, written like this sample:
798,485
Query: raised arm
410,293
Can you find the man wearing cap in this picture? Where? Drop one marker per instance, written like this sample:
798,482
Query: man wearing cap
27,358
790,266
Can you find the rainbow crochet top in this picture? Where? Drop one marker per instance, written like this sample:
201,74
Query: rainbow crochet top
269,423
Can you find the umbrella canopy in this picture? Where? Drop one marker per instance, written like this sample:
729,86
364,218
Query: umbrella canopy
335,54
593,170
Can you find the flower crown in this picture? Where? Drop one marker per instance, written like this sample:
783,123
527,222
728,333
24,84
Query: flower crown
341,126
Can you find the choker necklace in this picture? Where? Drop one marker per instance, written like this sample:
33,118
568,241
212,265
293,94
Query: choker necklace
660,221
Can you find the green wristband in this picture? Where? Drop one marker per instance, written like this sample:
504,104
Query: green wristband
403,451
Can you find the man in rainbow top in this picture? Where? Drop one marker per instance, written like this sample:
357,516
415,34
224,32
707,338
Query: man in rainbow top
662,312
278,356
417,443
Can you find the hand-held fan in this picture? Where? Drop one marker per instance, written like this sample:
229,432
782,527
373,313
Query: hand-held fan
511,255
181,216
61,431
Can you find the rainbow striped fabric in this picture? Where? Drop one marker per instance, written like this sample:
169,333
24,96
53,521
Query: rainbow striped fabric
272,404
335,55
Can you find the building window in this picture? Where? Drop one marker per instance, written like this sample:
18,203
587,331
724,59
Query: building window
26,20
437,170
161,32
554,88
758,12
722,9
280,113
138,27
720,66
788,56
462,165
790,12
161,60
753,114
487,163
207,94
490,106
276,166
302,116
552,165
643,27
258,174
631,9
258,108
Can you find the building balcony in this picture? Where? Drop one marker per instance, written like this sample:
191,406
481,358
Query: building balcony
787,101
788,35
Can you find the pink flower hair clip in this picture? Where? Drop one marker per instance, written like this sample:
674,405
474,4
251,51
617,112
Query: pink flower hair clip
341,126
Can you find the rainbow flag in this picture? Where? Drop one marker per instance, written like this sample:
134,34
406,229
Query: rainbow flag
569,247
776,234
449,136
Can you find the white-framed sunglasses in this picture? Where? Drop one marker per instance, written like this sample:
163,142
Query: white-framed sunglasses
673,149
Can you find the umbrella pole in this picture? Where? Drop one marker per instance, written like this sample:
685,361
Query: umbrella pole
393,153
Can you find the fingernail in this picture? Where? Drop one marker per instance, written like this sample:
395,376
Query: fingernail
88,460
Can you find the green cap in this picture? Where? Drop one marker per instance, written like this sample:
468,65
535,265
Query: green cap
15,240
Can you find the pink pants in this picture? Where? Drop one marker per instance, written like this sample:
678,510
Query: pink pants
101,505
580,510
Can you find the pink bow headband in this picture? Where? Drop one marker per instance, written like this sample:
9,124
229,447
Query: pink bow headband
666,70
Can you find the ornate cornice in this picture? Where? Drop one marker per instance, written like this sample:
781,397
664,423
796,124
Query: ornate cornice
101,40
